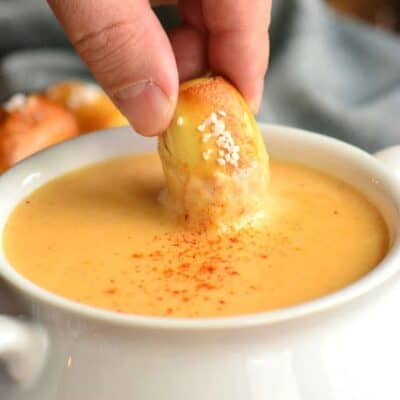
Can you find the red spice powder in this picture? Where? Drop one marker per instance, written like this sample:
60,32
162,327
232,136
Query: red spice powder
137,255
200,262
207,269
156,253
205,286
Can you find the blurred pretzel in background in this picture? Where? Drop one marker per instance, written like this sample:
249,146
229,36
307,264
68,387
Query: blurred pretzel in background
31,122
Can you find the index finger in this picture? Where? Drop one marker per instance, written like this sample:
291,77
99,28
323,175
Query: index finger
239,44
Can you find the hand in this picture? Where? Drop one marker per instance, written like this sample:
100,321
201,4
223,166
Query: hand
139,66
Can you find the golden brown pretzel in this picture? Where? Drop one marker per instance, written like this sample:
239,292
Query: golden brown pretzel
90,105
29,124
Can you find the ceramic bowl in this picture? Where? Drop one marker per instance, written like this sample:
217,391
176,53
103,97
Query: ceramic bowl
344,346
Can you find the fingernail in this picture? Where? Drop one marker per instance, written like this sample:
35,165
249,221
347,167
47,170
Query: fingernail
257,94
146,106
254,106
255,103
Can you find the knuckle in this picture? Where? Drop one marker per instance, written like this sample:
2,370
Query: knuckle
107,49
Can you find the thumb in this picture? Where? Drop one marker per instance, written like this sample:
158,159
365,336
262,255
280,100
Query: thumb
128,52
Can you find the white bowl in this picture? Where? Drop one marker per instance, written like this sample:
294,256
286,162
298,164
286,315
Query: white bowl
340,347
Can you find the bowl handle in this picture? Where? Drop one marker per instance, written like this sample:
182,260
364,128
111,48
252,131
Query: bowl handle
23,348
391,158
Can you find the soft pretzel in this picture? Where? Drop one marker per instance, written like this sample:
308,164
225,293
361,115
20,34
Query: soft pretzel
29,124
91,106
214,157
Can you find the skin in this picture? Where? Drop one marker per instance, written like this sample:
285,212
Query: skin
140,66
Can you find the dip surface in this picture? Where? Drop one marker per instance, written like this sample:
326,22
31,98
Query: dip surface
99,236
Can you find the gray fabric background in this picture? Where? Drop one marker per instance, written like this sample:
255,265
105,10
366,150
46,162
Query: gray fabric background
327,73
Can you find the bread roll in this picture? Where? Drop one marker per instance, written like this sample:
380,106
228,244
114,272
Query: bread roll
29,124
214,157
91,106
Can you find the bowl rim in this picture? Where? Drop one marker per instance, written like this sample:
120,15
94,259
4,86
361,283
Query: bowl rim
387,268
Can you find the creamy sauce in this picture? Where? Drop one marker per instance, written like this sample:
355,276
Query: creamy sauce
100,237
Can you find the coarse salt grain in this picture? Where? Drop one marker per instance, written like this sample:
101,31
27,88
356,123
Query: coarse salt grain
219,127
235,157
228,151
179,121
206,137
85,94
221,161
225,146
207,154
16,102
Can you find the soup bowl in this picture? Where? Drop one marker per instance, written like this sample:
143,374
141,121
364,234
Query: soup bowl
340,347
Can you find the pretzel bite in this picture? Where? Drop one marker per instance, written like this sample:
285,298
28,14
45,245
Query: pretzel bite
29,124
91,106
214,157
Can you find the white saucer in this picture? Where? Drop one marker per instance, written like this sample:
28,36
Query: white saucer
8,305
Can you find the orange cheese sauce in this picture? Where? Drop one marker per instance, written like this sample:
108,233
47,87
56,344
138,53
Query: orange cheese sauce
99,236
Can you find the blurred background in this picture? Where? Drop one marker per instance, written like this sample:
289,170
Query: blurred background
382,13
334,67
